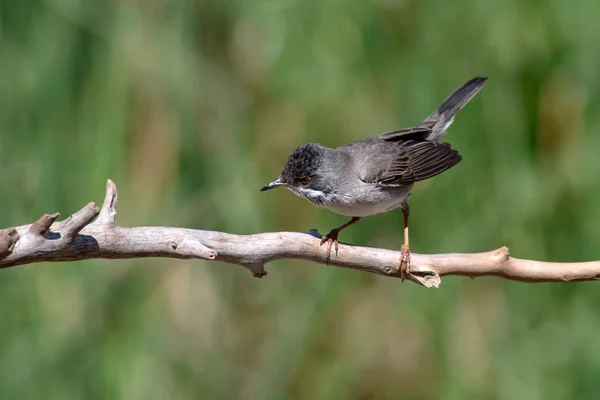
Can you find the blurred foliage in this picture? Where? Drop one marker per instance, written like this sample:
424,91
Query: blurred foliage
191,106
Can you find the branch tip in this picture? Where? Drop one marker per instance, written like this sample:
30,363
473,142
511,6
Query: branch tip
425,277
502,254
187,245
206,253
430,281
108,212
42,225
70,227
258,270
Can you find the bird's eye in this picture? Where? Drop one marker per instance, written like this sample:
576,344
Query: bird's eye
305,180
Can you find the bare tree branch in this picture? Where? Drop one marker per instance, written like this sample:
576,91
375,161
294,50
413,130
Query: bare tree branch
76,238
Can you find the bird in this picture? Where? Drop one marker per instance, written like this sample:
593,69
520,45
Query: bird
376,175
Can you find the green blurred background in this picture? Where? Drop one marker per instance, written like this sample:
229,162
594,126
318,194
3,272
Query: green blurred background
191,106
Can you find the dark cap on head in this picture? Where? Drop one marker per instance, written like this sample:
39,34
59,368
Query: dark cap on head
303,162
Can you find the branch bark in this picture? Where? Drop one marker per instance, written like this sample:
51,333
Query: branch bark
78,238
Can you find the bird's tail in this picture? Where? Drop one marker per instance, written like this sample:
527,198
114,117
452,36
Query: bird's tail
441,118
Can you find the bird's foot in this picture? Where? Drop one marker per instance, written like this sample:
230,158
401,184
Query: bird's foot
332,239
404,261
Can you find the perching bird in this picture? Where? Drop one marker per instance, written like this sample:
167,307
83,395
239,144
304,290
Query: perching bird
376,174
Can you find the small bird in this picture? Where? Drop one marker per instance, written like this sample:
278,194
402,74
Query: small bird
375,175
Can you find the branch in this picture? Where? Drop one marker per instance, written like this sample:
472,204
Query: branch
77,238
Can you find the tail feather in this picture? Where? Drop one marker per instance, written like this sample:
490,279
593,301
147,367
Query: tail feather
441,118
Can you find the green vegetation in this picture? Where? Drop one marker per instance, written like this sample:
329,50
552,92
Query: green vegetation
191,106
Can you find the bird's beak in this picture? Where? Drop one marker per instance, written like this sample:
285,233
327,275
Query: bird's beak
272,185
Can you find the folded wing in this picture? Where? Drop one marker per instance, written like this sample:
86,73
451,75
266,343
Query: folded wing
412,161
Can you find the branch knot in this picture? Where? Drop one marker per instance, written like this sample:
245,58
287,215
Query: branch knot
8,239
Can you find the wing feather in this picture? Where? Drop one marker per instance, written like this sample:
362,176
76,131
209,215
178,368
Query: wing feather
420,132
416,161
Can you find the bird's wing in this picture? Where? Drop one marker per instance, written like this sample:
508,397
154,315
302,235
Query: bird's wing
420,132
411,161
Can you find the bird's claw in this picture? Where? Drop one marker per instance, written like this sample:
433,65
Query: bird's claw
332,239
404,261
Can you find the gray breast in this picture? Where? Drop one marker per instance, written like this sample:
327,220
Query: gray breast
364,199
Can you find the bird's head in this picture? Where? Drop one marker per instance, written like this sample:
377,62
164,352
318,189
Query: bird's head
301,174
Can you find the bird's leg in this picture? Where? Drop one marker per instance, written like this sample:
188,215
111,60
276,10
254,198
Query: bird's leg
405,251
332,237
